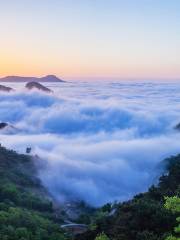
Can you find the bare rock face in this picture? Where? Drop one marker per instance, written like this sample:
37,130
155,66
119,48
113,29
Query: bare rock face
38,86
5,89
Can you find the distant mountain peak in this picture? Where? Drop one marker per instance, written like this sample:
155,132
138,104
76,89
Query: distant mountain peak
52,78
51,75
47,78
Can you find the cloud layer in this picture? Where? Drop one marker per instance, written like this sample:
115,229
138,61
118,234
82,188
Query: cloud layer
98,142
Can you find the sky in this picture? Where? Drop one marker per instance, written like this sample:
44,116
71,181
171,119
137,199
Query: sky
90,39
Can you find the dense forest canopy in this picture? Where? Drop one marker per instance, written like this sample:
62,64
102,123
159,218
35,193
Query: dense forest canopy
27,213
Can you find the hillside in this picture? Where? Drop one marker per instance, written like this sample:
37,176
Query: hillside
144,217
48,78
26,212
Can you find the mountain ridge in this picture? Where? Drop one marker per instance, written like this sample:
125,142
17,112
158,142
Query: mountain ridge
47,78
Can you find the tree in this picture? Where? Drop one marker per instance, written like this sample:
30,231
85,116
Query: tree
173,204
102,236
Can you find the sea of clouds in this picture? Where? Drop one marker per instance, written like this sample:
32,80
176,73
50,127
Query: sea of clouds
97,142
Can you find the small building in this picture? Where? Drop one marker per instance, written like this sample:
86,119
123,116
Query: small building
75,228
28,150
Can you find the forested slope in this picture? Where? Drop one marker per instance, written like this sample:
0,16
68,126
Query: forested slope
25,211
144,217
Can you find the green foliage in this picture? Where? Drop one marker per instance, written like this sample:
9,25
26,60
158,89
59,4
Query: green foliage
173,204
171,238
144,217
25,212
106,208
102,236
27,224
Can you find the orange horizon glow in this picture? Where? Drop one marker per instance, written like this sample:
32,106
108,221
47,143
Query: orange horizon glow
18,68
22,66
123,40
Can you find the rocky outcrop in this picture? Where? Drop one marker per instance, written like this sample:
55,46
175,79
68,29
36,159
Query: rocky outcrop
177,127
48,78
5,89
3,125
7,128
38,86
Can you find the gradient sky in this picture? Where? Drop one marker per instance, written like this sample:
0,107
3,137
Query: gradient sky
90,39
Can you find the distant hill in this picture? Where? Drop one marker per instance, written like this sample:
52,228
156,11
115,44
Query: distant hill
5,89
48,78
36,85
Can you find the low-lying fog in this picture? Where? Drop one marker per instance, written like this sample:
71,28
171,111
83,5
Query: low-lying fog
98,142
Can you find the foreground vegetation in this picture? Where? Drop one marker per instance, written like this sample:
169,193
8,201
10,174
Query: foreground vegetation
173,204
25,211
145,217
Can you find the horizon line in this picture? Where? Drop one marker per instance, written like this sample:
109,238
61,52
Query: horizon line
95,78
